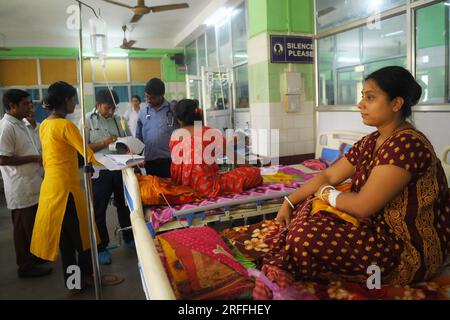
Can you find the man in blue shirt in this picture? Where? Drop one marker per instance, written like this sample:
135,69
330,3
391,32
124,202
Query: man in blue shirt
155,125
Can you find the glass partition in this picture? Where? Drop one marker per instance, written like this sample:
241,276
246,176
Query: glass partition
239,34
332,13
347,57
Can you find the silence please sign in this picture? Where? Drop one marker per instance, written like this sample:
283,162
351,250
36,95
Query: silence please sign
291,49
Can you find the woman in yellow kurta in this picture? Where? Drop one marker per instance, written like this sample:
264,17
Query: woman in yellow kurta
62,219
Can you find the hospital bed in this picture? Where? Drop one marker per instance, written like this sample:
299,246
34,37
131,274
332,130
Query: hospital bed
154,278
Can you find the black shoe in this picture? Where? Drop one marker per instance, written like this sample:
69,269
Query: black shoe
40,261
34,271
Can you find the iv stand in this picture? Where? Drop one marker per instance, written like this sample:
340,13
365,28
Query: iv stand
88,169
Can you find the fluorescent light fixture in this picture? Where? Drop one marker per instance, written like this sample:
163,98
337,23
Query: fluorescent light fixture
359,68
348,59
241,55
117,55
109,55
391,34
447,4
218,16
425,59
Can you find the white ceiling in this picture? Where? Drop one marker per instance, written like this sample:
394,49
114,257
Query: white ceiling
43,22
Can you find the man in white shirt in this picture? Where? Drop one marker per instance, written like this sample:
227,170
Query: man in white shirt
33,126
132,114
22,172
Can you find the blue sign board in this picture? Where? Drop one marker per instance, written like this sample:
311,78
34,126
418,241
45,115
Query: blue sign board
291,49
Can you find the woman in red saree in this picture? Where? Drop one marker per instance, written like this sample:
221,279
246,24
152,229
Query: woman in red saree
399,195
194,148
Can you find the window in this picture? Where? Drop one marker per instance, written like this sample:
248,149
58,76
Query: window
195,89
241,79
347,57
223,50
34,94
331,13
44,92
239,34
432,46
218,90
211,46
138,91
326,57
224,43
201,47
388,41
191,58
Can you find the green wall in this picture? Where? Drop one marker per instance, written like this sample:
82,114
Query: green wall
280,16
170,71
277,17
257,17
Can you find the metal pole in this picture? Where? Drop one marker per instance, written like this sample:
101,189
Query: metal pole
88,171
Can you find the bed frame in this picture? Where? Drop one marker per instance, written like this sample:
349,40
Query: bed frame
329,143
196,216
155,281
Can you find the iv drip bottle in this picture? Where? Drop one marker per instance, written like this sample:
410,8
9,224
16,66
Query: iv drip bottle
99,39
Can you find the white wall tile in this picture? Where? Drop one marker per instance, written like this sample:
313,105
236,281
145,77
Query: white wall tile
300,147
258,49
309,147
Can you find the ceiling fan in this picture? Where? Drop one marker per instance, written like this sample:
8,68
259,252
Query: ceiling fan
128,44
141,9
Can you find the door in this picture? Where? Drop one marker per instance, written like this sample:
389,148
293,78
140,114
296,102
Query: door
217,100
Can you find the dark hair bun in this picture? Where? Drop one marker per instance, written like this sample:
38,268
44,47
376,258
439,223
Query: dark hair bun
58,92
188,111
398,82
53,101
415,92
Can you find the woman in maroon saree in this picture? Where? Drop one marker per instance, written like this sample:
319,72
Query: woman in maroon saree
399,194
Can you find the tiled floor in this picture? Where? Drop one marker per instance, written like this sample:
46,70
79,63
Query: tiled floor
52,286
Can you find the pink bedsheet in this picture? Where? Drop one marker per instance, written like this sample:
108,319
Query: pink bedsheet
287,178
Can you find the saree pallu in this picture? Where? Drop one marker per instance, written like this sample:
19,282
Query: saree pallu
160,191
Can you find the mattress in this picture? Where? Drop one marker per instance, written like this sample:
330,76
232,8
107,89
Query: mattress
266,198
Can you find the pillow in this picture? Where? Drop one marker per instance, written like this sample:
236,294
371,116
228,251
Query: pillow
330,156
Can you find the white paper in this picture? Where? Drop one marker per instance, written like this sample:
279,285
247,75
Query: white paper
134,144
118,161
